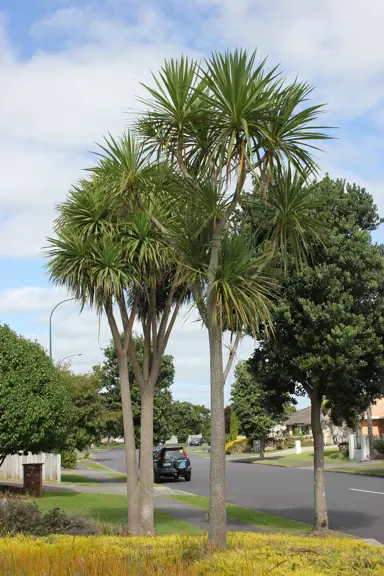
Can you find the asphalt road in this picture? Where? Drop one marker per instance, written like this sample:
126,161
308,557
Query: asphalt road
355,503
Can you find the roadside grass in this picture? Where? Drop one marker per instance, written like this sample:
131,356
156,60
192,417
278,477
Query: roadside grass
260,520
94,466
297,460
77,479
118,477
110,508
364,471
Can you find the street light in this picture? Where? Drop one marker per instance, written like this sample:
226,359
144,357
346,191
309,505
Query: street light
70,356
50,324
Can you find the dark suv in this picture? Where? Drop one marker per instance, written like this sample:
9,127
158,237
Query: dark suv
198,442
171,462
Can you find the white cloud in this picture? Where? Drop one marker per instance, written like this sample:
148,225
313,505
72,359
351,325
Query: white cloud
56,104
335,44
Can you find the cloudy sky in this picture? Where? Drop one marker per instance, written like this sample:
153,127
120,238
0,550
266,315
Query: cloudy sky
70,71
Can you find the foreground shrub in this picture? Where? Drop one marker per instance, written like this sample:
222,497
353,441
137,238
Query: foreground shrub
238,445
379,446
20,517
248,554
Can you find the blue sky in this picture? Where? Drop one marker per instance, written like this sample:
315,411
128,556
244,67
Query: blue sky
69,72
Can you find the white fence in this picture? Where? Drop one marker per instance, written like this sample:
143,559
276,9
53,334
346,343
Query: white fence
12,468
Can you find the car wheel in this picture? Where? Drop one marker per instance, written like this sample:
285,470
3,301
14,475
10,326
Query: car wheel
188,477
156,479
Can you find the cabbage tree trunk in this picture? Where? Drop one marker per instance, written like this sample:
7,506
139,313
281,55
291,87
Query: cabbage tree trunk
130,447
146,461
321,517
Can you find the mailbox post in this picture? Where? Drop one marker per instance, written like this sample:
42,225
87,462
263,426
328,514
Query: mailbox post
33,478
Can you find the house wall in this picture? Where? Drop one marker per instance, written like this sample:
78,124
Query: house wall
377,427
378,408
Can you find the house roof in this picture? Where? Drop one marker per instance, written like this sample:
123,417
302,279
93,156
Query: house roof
300,417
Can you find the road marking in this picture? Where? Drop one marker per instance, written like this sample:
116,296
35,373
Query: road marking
368,491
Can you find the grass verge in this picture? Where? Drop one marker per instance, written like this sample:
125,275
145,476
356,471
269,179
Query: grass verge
95,466
258,519
297,460
111,508
77,479
364,471
118,477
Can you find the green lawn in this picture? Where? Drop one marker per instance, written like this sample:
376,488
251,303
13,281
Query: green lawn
258,519
77,479
111,508
361,470
292,460
95,466
118,477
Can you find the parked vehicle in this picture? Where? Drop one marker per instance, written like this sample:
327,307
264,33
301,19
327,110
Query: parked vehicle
171,462
197,442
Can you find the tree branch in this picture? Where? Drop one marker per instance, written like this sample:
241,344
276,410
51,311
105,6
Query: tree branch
173,319
231,356
165,316
180,161
152,218
154,320
147,346
136,365
128,321
113,326
197,296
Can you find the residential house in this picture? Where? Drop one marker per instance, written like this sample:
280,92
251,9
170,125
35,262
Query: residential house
299,424
377,420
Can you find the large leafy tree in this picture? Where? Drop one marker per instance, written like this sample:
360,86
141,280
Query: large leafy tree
109,384
187,419
252,403
90,414
218,123
329,325
36,410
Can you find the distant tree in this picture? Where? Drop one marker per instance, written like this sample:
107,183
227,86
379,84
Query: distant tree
108,374
329,330
234,425
89,418
252,403
36,411
205,416
186,419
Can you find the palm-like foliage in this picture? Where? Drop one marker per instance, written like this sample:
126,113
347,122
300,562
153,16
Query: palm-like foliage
229,112
287,214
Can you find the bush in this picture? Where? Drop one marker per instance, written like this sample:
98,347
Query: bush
379,446
21,517
238,445
247,554
69,459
